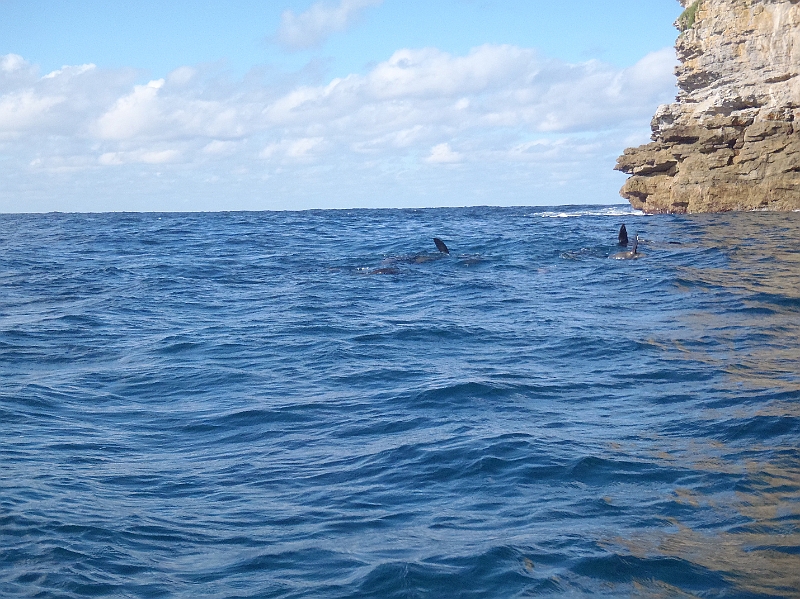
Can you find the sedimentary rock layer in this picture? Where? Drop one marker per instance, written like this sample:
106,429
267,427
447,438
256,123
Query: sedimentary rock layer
731,141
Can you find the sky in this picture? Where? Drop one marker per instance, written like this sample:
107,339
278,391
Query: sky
273,105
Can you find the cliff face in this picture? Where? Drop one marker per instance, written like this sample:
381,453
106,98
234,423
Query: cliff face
732,139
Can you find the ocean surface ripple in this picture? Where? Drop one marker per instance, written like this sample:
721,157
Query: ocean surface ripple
320,404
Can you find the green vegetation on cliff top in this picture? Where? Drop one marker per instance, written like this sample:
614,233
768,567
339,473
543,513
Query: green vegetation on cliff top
687,18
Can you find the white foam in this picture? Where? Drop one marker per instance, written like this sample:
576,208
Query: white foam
558,215
605,211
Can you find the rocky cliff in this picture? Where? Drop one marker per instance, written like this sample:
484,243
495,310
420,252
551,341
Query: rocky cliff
731,141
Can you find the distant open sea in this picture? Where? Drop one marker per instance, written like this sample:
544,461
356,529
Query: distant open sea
321,405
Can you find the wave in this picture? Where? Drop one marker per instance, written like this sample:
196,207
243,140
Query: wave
584,212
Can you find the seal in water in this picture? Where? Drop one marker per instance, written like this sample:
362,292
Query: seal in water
623,236
441,246
632,255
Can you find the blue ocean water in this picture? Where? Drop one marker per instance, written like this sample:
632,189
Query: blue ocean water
320,404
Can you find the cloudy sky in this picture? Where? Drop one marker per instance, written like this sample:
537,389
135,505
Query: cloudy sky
293,104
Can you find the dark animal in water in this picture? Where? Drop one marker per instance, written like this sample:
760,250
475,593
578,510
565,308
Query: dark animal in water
623,236
631,255
388,267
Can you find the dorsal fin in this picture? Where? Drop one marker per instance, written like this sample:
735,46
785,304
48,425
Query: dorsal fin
623,235
635,245
441,246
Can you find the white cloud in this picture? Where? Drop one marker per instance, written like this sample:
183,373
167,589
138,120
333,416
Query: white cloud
23,109
220,147
302,149
492,86
430,72
182,76
413,97
14,69
59,103
178,108
133,114
443,154
140,156
492,108
312,27
12,62
70,71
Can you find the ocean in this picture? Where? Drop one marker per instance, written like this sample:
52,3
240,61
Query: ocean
322,405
